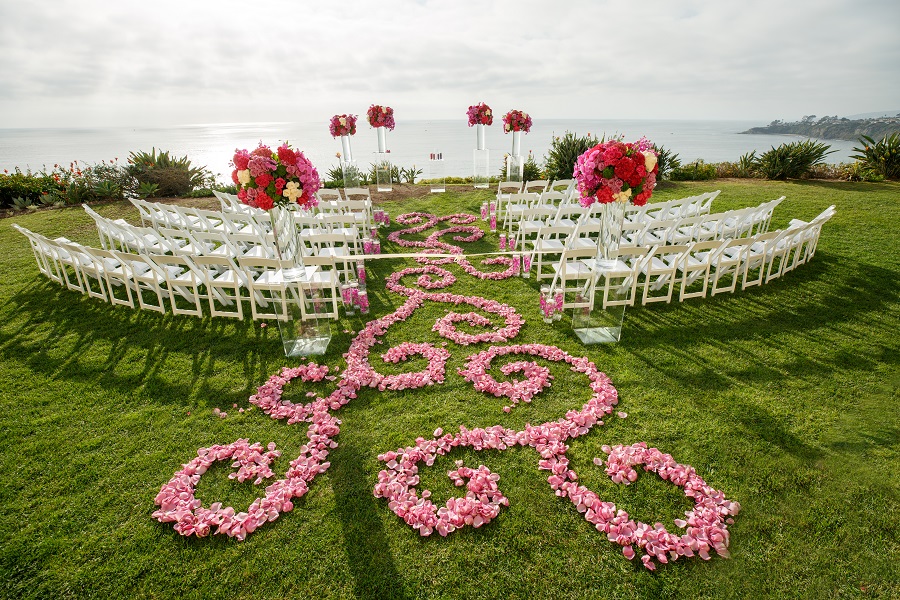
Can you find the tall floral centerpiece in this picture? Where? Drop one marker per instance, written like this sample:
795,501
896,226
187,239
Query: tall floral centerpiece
382,119
276,181
480,116
612,174
516,122
345,126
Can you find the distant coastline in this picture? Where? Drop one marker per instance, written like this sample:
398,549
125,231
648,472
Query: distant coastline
833,128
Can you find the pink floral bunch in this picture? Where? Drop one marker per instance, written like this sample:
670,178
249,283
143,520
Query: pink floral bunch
516,120
707,524
397,482
266,179
552,306
424,221
434,373
342,125
177,502
616,172
480,114
380,116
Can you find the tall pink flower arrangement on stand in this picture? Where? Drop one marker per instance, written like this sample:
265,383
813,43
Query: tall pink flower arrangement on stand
612,173
382,119
480,115
345,126
516,122
274,181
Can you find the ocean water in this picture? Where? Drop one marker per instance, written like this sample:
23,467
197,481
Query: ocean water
410,144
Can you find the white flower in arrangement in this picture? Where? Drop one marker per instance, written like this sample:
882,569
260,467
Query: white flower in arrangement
343,121
292,191
649,161
244,176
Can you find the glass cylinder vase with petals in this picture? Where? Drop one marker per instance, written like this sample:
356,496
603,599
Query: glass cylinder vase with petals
303,332
600,309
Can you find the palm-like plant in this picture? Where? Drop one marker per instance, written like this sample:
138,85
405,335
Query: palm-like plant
881,157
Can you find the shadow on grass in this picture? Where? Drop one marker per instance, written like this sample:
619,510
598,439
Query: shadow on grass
42,317
370,560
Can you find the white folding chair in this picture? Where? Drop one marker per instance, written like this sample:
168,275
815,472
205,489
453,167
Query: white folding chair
183,280
223,279
90,271
535,186
147,278
658,271
728,265
266,285
696,266
620,281
116,276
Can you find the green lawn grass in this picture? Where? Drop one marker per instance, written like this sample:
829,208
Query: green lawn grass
784,397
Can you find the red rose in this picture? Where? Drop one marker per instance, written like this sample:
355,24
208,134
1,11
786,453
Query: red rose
286,155
279,184
625,168
263,201
234,178
263,180
604,195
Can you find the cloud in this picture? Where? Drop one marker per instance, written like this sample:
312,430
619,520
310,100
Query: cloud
96,62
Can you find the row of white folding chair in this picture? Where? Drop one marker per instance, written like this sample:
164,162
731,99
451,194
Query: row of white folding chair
231,203
672,209
726,225
123,278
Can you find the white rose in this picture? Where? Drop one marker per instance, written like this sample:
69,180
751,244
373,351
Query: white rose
244,176
623,196
649,161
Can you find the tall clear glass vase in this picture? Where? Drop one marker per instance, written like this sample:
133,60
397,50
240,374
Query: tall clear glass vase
515,162
600,310
383,179
303,332
481,155
348,166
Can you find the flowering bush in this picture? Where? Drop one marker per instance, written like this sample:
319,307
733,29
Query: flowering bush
615,171
480,114
380,116
342,125
516,120
266,179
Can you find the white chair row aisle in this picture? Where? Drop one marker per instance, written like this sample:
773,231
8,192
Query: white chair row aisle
183,283
699,269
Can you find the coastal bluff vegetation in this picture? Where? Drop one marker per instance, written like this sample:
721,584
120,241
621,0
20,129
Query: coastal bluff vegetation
834,128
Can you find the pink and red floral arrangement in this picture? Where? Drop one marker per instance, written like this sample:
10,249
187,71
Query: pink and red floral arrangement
266,179
615,171
381,116
480,114
516,120
342,125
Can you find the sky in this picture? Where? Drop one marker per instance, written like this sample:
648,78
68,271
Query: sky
89,63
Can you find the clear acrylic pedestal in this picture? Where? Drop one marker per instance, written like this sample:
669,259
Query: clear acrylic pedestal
383,171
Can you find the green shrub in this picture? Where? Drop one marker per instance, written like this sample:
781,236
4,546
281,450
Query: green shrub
666,160
174,176
695,171
791,161
530,170
564,151
882,157
858,171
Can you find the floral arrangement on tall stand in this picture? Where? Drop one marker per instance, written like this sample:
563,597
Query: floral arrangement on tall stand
516,122
480,115
612,174
344,126
278,182
382,119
